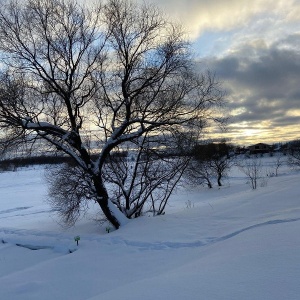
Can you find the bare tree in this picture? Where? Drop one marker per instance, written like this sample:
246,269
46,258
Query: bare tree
70,189
199,173
220,160
252,168
294,154
143,182
86,81
210,160
294,159
279,161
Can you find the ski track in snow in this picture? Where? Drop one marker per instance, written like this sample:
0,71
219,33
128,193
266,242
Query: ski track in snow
271,222
143,246
7,211
205,242
35,240
24,214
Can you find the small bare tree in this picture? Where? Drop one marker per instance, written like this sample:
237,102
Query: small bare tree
279,161
294,154
199,173
252,168
294,159
86,81
208,161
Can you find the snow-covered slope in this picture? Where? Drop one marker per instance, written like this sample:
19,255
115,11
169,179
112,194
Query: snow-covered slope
228,243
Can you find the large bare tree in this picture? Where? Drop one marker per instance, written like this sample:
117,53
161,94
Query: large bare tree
88,80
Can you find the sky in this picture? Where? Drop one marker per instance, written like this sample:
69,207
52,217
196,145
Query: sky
254,49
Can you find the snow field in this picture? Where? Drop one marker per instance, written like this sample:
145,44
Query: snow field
228,243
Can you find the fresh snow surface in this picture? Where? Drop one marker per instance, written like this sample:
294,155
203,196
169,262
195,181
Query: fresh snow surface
218,244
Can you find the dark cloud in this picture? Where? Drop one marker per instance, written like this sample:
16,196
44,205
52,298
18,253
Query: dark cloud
287,121
263,84
271,73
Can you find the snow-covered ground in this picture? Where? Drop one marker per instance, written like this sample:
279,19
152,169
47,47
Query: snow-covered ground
228,243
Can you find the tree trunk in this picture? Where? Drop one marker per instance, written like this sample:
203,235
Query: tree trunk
219,180
209,183
102,200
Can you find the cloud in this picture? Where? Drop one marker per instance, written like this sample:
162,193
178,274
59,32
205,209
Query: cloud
199,16
263,84
254,48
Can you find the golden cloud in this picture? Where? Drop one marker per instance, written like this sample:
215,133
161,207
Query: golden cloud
201,15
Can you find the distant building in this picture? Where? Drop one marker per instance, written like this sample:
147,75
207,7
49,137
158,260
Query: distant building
259,148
